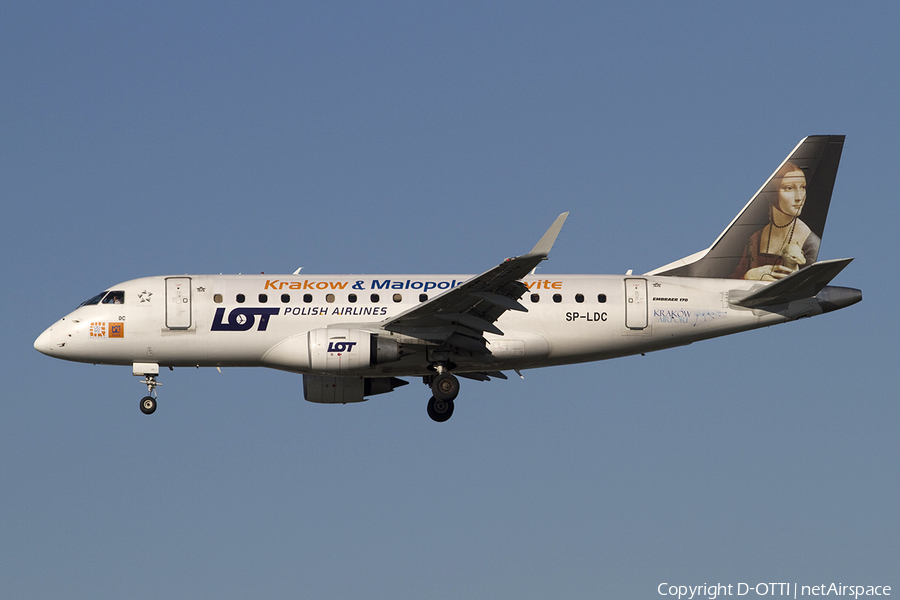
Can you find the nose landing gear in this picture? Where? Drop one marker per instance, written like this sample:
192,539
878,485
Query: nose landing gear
149,371
148,405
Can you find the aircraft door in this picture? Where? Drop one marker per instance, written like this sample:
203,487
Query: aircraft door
635,303
178,302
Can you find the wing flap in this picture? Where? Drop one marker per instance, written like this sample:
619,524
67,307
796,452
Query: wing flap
478,346
500,300
484,375
470,320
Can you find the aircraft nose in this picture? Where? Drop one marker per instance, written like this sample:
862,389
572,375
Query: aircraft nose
46,343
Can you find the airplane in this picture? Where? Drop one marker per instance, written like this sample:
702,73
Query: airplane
353,337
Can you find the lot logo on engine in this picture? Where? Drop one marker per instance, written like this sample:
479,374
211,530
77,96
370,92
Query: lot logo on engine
341,346
242,319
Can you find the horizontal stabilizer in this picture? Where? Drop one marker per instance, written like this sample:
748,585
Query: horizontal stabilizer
805,283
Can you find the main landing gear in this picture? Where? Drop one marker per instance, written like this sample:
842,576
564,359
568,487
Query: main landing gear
445,389
440,410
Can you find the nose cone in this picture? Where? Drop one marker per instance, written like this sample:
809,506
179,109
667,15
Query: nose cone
47,343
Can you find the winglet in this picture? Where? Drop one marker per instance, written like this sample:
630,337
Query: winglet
542,248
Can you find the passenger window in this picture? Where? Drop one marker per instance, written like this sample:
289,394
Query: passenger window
285,298
263,298
351,298
423,297
374,297
557,298
117,297
307,298
217,298
579,297
601,298
535,297
398,298
240,298
329,298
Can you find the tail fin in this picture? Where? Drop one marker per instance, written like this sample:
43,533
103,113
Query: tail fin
770,232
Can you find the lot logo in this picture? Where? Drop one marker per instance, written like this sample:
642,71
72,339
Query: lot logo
341,346
242,319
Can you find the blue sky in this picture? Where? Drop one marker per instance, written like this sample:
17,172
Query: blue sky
199,137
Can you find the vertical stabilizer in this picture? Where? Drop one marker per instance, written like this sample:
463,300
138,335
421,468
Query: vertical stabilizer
778,232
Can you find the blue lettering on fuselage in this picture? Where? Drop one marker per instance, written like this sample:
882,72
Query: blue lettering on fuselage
411,284
242,319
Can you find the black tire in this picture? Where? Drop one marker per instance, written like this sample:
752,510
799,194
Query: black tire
148,405
440,410
445,387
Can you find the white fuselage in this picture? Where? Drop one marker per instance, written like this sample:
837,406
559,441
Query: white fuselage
240,320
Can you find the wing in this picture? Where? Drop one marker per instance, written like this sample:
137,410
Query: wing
460,317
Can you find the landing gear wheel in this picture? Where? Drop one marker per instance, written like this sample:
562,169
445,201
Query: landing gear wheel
445,387
440,410
148,405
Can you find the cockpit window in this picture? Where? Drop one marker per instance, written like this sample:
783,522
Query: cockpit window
115,297
95,300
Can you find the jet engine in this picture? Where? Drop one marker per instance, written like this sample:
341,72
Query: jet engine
341,390
333,351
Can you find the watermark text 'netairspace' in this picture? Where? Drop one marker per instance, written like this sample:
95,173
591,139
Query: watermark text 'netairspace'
794,590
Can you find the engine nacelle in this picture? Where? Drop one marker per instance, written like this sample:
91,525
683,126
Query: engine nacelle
341,390
333,351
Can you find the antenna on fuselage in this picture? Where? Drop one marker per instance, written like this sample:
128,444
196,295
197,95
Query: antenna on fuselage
297,272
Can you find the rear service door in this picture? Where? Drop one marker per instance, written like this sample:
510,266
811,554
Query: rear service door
635,303
178,302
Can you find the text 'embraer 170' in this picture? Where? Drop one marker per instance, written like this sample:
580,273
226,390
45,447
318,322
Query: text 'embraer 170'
353,337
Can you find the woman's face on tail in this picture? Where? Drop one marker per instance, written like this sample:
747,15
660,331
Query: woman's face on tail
792,193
